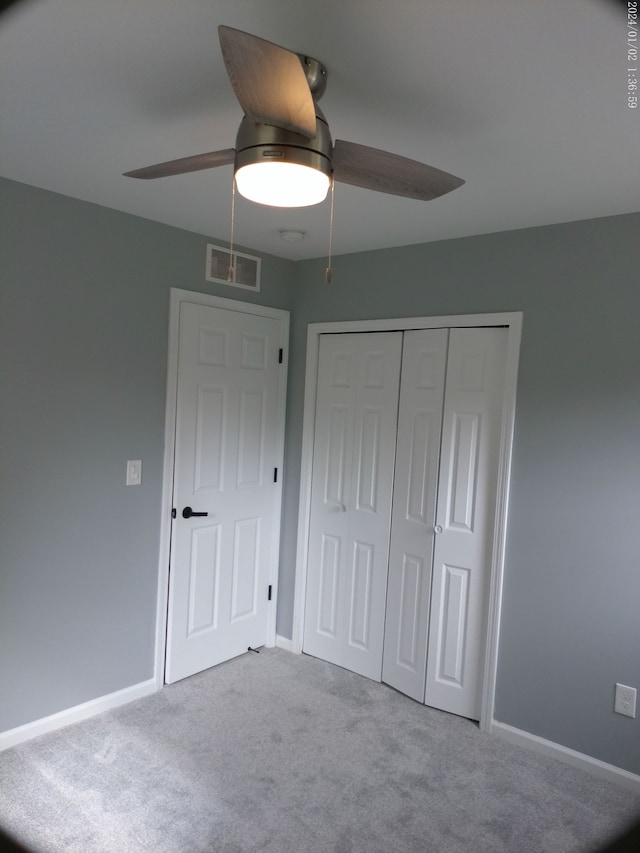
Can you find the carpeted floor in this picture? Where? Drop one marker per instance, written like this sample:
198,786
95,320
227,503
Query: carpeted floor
283,753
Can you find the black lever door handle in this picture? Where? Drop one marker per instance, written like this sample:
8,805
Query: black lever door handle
187,512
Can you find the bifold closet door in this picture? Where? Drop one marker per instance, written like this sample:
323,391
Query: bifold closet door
351,494
424,366
465,519
449,427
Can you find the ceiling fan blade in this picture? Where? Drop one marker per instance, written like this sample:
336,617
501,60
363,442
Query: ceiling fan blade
185,164
269,81
378,170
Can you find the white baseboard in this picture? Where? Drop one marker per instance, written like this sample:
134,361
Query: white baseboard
284,643
569,756
13,737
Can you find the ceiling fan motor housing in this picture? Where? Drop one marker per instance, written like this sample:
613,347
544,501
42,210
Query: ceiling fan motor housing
257,143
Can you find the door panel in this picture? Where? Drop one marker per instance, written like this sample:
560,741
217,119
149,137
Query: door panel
361,582
245,574
339,418
251,433
226,449
204,572
354,447
327,624
466,508
451,618
414,506
461,490
369,441
209,439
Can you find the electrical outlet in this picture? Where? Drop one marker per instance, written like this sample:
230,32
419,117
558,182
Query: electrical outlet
625,700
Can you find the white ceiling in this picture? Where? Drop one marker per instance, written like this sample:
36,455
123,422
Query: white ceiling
527,101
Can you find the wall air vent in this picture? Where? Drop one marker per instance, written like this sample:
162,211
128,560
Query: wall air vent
246,273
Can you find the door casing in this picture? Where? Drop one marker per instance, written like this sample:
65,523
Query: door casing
513,322
176,297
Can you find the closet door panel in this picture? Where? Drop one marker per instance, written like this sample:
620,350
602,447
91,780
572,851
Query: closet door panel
465,514
414,505
354,449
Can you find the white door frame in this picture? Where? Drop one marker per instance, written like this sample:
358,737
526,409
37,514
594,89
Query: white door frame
176,297
513,322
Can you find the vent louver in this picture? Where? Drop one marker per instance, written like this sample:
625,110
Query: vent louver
246,271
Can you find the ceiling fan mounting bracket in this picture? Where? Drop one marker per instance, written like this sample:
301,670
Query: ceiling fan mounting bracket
316,75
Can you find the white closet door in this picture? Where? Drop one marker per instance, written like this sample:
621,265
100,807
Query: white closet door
414,507
465,516
351,492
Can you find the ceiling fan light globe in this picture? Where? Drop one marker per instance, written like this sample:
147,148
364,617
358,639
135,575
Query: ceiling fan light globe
279,184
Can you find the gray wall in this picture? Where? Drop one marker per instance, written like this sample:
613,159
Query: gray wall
83,334
571,617
84,298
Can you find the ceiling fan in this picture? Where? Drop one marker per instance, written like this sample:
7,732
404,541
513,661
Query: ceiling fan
284,155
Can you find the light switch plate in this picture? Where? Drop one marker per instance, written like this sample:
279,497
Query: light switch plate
134,472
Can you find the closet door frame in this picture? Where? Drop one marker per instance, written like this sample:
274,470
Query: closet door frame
513,322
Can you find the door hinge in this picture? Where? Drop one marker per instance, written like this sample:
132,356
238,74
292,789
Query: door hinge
270,592
275,475
280,355
173,512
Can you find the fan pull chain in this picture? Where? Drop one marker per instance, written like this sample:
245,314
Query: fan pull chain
328,275
231,273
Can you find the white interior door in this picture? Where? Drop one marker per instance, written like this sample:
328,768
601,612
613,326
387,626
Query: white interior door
465,518
224,555
424,366
352,482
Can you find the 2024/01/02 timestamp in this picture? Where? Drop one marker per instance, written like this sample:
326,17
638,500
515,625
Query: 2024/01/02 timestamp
632,54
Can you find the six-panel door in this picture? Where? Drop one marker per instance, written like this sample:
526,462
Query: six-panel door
225,452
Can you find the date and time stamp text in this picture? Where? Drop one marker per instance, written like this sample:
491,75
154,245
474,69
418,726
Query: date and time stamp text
632,54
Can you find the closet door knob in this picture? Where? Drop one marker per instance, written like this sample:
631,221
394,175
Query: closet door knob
437,528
